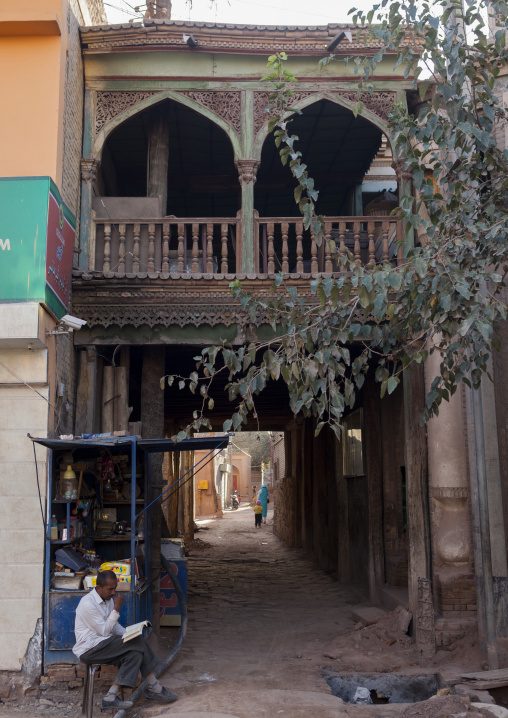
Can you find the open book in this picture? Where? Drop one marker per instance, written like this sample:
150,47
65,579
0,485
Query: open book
135,630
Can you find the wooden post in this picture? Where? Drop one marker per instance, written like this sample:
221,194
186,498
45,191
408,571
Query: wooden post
152,417
374,469
86,392
158,154
189,497
108,393
417,499
247,176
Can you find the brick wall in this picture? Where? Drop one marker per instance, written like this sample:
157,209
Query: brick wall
455,596
285,500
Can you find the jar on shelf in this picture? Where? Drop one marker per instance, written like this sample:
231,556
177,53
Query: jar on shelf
69,484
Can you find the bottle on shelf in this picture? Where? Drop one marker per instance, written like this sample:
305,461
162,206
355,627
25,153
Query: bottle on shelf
54,529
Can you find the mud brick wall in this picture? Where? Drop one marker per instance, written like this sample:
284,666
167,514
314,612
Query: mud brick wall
284,496
449,631
456,598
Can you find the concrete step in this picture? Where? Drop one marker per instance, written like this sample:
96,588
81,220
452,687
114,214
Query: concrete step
367,615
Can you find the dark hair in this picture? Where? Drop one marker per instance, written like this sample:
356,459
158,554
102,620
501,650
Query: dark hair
104,577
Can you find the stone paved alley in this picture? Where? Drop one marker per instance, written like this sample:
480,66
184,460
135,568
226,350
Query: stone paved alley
264,626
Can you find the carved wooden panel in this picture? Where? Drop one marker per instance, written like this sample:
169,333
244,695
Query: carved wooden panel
379,103
261,101
111,104
227,105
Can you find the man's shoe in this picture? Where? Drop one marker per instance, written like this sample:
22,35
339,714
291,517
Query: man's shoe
116,705
164,696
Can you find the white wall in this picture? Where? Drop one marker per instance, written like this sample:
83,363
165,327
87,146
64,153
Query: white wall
22,411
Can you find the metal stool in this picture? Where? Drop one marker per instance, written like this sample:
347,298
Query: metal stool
87,706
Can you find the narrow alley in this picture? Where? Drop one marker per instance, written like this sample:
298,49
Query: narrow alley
265,628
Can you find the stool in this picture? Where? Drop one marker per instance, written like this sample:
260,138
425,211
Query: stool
87,705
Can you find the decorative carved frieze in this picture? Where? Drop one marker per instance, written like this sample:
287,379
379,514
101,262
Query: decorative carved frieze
379,103
89,169
111,104
156,315
227,105
247,170
455,492
261,101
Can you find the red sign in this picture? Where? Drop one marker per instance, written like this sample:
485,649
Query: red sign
59,250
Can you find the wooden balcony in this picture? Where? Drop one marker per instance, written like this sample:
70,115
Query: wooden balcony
211,248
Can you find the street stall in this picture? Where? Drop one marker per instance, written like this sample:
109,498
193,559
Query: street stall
98,518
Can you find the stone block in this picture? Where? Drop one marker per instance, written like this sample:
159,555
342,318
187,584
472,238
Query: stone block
29,547
26,581
32,366
16,443
18,403
17,614
18,512
25,483
368,615
57,670
13,648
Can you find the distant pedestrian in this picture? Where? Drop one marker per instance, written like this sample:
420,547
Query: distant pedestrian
254,493
264,497
258,510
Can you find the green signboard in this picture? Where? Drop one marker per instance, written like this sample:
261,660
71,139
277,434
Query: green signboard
36,243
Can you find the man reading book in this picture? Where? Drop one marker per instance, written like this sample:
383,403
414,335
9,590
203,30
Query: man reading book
99,639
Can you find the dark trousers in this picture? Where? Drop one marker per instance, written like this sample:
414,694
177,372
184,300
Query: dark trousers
131,657
257,519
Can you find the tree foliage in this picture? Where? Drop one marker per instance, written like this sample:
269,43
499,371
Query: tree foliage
446,295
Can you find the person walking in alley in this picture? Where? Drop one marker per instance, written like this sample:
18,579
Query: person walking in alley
264,497
258,510
99,639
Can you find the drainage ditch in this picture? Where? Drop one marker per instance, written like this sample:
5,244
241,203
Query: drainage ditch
383,687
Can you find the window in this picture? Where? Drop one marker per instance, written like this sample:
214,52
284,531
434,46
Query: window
353,444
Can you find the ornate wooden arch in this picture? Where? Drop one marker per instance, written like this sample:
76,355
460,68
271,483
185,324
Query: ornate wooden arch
375,110
126,104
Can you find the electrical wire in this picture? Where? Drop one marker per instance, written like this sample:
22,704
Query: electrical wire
179,479
39,489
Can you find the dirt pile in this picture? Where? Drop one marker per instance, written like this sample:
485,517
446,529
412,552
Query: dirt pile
445,707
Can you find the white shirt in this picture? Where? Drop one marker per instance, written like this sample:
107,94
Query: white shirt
96,620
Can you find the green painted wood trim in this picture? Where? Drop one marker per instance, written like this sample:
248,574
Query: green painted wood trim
247,122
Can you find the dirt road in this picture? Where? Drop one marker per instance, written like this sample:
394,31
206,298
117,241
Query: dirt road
265,625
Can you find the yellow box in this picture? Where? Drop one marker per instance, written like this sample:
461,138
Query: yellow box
121,568
203,485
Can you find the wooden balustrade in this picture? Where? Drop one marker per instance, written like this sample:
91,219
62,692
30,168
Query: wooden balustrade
285,246
209,246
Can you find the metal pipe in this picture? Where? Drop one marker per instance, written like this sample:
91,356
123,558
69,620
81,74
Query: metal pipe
163,665
484,528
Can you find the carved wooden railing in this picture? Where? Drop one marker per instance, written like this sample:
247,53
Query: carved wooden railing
167,246
209,246
282,244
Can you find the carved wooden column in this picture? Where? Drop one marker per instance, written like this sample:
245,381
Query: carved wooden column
87,228
158,155
453,579
405,188
247,170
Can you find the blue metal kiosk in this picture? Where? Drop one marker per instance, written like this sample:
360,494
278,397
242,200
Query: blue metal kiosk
60,604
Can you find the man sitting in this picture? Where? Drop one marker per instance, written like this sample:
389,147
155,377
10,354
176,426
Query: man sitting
99,640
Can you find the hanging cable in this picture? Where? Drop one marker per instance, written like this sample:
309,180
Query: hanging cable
39,489
179,479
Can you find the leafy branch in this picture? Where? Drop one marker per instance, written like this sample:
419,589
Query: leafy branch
446,295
